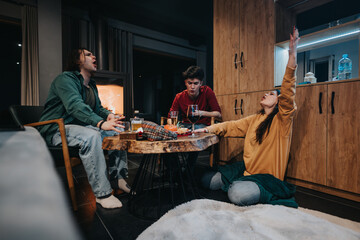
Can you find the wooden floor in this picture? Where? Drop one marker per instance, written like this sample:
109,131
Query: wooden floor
95,222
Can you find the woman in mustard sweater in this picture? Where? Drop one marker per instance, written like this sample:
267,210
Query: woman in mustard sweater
259,178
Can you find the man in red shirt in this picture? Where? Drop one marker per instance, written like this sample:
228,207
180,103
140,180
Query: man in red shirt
195,93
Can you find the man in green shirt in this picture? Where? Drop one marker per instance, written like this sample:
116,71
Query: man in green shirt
73,96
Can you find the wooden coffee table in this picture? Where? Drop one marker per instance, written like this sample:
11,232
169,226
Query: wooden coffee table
163,179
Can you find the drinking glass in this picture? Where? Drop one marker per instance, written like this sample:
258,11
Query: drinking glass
136,123
174,117
193,116
126,125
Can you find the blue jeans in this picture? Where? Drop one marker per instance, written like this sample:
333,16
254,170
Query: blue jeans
89,139
241,193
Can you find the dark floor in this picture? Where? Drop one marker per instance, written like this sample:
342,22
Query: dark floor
97,223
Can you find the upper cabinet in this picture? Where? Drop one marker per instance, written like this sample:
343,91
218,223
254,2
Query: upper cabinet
243,46
226,46
257,38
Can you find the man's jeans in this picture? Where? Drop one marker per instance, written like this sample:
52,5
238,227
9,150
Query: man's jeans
89,139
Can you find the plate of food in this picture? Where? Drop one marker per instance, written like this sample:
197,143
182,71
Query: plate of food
183,131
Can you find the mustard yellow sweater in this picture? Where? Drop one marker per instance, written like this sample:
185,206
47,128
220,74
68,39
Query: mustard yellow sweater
271,156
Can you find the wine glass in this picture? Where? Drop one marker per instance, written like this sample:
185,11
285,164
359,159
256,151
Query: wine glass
193,116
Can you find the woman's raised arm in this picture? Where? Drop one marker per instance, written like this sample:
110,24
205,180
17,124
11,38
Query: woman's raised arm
294,39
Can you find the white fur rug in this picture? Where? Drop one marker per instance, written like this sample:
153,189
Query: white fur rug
208,219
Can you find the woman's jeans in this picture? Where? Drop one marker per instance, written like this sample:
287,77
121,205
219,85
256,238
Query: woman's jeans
241,193
89,139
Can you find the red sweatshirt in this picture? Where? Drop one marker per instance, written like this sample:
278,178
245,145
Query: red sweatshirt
206,101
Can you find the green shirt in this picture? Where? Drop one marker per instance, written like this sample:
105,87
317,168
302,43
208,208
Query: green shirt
66,100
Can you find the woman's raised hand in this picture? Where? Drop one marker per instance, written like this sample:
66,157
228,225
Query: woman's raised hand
294,40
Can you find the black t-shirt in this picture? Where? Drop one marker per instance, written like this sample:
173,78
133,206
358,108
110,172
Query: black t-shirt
90,97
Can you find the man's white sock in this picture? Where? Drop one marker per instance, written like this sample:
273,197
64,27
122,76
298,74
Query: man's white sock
109,202
123,185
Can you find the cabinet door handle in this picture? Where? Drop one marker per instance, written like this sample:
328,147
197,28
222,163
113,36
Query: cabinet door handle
235,108
241,59
320,105
235,62
235,105
332,102
241,110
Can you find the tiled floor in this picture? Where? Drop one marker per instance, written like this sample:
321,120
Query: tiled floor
97,223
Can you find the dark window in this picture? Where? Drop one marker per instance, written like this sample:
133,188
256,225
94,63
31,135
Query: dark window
10,63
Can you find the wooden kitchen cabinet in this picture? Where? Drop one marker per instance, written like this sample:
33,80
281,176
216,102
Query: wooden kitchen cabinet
230,149
243,46
227,105
325,148
231,109
226,45
236,106
308,147
257,39
252,102
343,143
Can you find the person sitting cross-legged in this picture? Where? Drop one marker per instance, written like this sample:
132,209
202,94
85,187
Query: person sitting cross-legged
259,178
